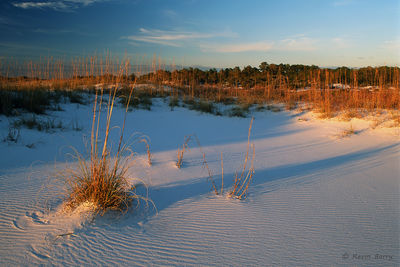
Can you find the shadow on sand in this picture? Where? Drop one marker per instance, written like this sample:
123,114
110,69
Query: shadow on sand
169,194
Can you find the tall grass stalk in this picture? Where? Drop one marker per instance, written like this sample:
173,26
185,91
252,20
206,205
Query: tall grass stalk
144,139
210,176
102,180
222,175
242,181
182,150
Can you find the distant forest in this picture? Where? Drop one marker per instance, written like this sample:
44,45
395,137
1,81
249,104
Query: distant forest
328,90
273,76
278,76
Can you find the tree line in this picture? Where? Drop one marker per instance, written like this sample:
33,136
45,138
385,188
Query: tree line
278,76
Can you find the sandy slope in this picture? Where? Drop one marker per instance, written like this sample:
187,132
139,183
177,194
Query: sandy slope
316,199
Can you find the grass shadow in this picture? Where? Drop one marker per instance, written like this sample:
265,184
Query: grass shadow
172,193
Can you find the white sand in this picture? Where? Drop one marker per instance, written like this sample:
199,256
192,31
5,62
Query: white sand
317,199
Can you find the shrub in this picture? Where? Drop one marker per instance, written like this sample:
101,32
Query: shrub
240,110
35,101
75,97
13,134
138,100
237,112
146,102
188,101
205,106
32,122
274,108
173,102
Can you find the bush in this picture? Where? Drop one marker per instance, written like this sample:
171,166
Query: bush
13,134
238,111
203,106
31,122
173,102
138,100
75,97
35,101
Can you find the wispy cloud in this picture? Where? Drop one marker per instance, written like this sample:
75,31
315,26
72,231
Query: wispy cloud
40,5
60,5
172,38
220,42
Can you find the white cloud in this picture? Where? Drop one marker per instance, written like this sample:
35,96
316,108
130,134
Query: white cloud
83,2
172,38
60,5
202,40
52,5
144,39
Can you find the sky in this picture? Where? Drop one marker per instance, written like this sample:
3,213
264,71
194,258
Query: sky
215,33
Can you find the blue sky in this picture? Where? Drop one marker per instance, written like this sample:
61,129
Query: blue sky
214,33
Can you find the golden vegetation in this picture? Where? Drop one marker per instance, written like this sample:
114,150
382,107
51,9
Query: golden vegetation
102,180
329,91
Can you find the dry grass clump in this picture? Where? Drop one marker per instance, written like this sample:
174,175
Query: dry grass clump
173,102
274,108
144,139
101,182
351,113
102,179
395,116
329,90
238,111
148,153
13,134
185,147
210,176
140,99
348,132
242,181
390,119
32,122
376,122
34,101
181,151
